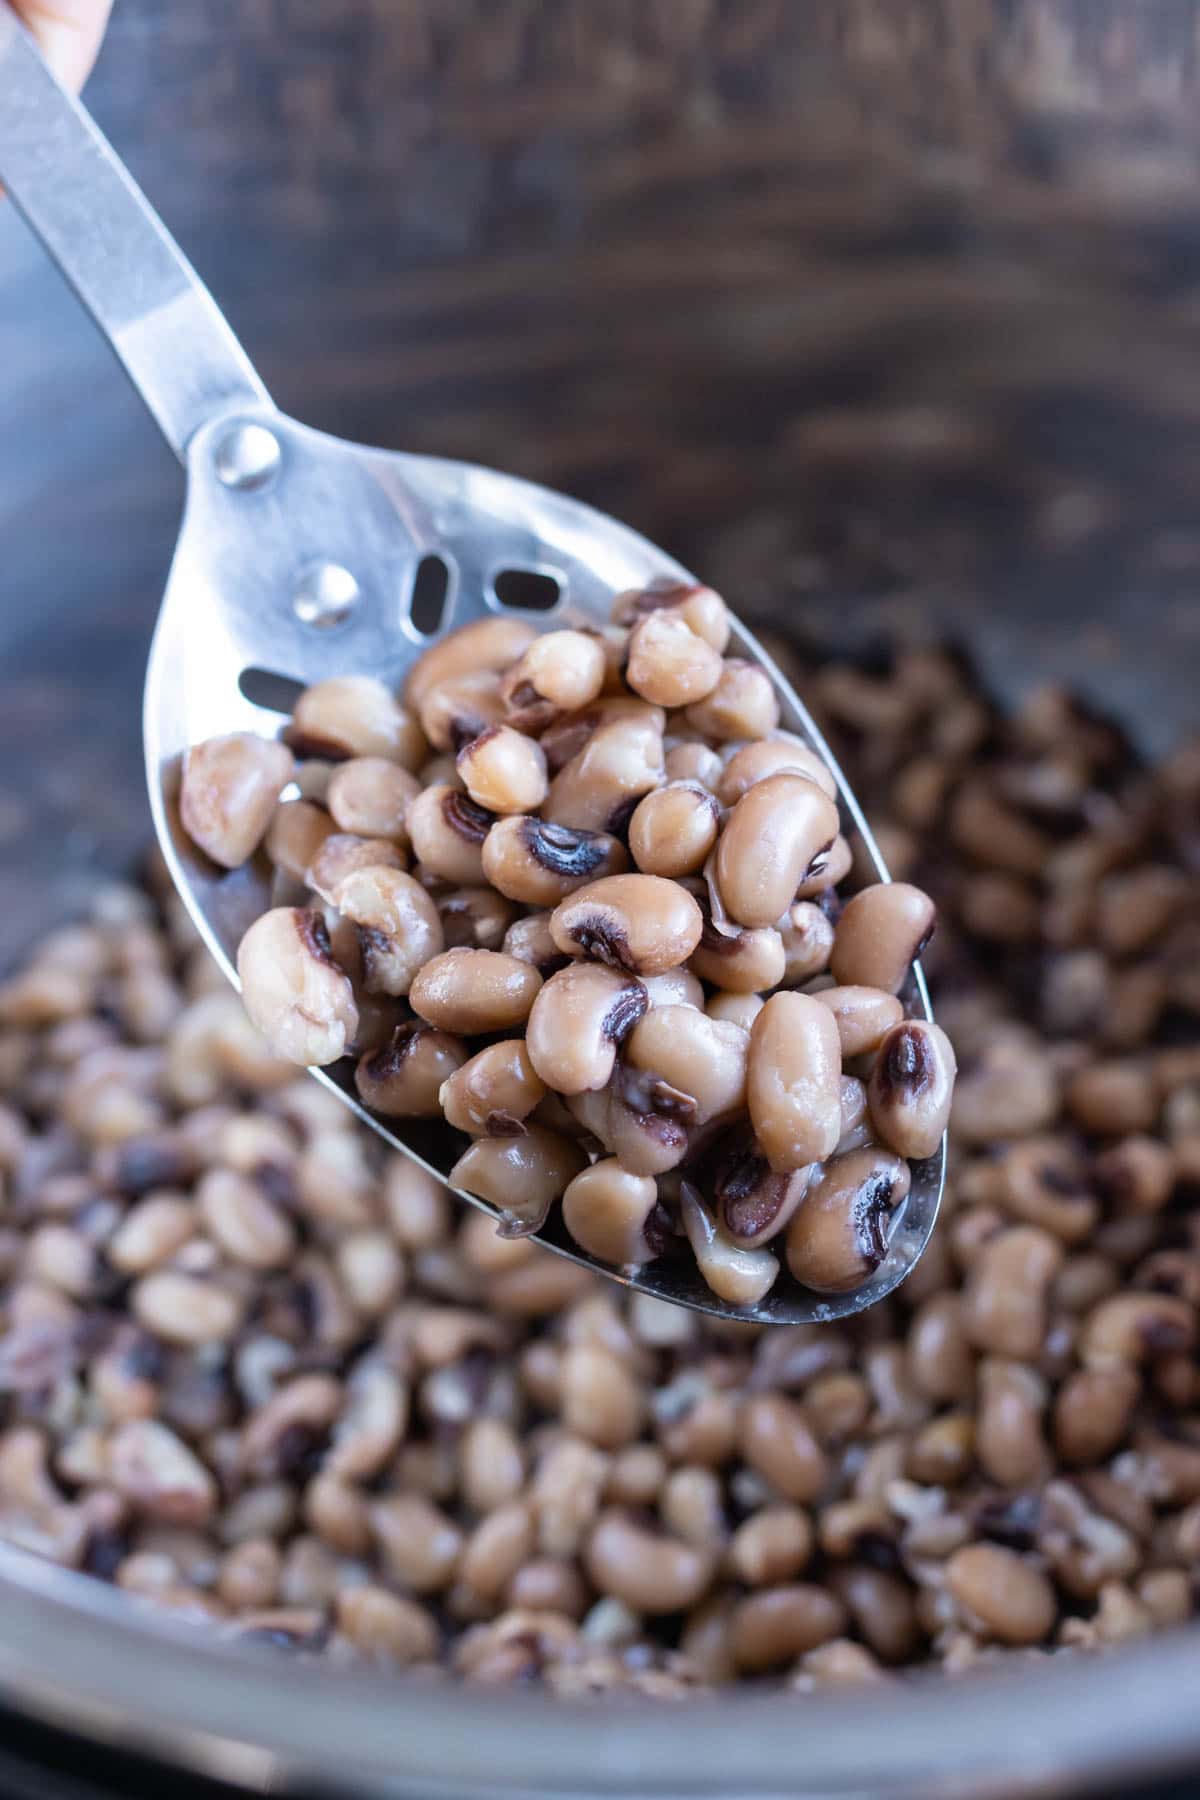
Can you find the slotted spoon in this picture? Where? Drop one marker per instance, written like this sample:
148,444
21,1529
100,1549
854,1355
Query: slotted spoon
298,557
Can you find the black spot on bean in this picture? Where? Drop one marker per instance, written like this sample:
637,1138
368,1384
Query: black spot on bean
604,940
625,1012
572,854
305,744
464,817
314,935
906,1066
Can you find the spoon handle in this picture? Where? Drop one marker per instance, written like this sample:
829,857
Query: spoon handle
96,223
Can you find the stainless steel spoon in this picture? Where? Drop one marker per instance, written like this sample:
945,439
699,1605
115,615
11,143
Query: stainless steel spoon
298,557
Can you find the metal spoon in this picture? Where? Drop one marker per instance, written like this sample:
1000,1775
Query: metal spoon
298,557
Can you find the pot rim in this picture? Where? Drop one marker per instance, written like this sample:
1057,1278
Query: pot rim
80,1656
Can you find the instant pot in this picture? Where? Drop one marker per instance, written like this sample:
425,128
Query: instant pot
880,314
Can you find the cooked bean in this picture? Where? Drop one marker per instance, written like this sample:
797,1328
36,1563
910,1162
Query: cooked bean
701,1060
828,871
742,705
341,855
293,990
249,1228
691,761
1135,1328
354,715
856,1123
562,671
864,1016
807,935
754,1204
652,1573
602,1402
640,923
674,828
940,1359
793,1081
1092,1411
578,1019
742,962
1042,1181
642,1123
472,992
229,791
404,1079
1002,1593
771,839
369,797
778,1624
504,771
494,1093
398,925
185,1309
488,644
456,712
734,1009
1114,1098
674,987
839,1235
295,835
567,736
474,918
522,1176
539,864
448,832
1008,1437
611,1214
529,940
386,1625
151,1232
600,786
881,932
911,1087
771,1546
702,610
1005,1299
668,664
741,1277
779,754
419,1544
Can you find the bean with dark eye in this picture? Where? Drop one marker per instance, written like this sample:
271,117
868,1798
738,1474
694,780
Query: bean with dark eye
601,785
486,645
880,933
838,1236
521,1176
494,1093
448,832
699,608
293,988
504,771
538,864
863,1016
912,1086
404,1079
578,1019
354,715
754,1204
641,923
611,1214
560,672
739,1275
737,960
807,935
771,838
396,922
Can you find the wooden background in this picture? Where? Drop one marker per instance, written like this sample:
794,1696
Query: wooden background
881,314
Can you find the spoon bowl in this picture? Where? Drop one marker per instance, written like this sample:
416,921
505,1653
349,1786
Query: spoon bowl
301,557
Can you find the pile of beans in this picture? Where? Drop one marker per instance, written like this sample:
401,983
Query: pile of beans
703,1049
257,1371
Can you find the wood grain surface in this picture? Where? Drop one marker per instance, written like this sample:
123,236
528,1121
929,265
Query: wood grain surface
881,314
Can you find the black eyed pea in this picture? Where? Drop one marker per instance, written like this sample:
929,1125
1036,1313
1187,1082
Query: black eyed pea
504,771
398,926
341,853
827,871
404,1078
370,796
560,672
838,1237
295,835
912,1086
600,786
780,754
1001,1594
448,831
645,1122
538,864
494,1093
694,1056
863,1016
674,987
753,1203
475,918
489,644
793,1081
566,737
692,761
474,992
699,607
610,1214
776,831
354,715
668,664
651,1573
880,934
295,993
739,962
775,1625
807,935
521,1176
578,1019
674,828
734,1009
737,1275
742,705
640,923
229,791
856,1120
455,712
529,940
